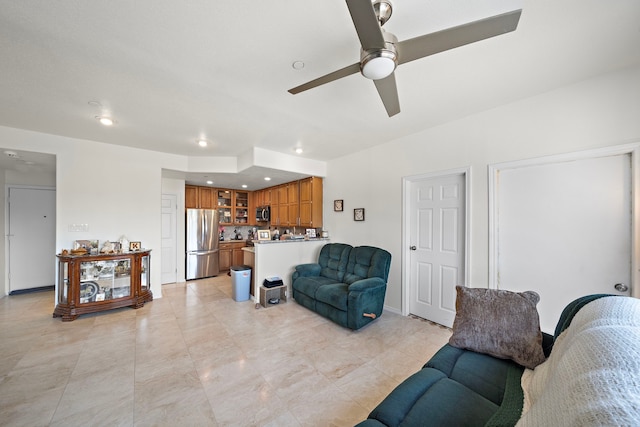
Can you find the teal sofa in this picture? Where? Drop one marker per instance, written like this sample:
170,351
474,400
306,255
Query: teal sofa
347,285
459,387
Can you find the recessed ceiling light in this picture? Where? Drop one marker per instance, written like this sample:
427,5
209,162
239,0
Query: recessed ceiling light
209,182
298,150
244,185
94,103
297,65
202,142
266,178
107,121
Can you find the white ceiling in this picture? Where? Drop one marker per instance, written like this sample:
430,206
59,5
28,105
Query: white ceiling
170,71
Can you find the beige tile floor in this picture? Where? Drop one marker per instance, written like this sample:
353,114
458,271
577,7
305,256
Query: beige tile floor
197,358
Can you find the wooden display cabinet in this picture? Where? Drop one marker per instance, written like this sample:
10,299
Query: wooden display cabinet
91,283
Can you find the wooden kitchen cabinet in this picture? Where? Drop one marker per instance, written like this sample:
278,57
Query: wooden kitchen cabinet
241,208
285,211
311,202
234,207
196,197
231,254
91,283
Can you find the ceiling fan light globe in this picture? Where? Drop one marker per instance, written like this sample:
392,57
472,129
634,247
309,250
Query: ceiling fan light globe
378,65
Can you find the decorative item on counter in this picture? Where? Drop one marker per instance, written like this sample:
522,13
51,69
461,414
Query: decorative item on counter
264,235
276,235
79,251
124,244
107,248
237,234
311,233
325,234
220,232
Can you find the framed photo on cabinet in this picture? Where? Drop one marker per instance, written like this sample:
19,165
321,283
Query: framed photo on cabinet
264,235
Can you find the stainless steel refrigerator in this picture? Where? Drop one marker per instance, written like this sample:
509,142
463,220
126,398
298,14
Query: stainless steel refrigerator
202,243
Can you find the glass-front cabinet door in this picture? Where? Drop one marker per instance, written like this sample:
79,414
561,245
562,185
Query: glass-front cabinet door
242,207
225,206
63,282
105,280
145,277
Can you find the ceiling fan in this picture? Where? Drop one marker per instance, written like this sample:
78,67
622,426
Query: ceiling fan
381,51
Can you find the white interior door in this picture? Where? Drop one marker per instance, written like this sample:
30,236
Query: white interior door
437,217
564,230
31,237
169,238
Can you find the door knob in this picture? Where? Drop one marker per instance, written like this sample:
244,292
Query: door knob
413,248
621,287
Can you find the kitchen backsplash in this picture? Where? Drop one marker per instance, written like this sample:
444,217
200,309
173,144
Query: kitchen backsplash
231,232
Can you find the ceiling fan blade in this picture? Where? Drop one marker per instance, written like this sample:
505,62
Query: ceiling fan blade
366,23
343,72
429,44
389,94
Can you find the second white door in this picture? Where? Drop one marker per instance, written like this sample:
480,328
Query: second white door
437,217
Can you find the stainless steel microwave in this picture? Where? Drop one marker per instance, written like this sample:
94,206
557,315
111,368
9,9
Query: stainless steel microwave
263,213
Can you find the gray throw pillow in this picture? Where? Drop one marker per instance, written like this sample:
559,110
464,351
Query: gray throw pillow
503,324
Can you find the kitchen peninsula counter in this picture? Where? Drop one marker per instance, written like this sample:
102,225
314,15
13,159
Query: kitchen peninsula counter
279,258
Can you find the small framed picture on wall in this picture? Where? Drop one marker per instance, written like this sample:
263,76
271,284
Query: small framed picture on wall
358,214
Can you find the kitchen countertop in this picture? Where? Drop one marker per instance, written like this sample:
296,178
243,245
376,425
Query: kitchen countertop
266,242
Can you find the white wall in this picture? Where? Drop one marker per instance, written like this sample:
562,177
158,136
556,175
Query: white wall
116,190
599,112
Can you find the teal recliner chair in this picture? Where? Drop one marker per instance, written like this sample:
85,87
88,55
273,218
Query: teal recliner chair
347,284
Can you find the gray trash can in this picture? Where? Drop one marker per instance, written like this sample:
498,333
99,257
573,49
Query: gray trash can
240,282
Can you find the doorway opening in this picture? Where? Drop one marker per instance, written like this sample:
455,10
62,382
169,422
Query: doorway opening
22,172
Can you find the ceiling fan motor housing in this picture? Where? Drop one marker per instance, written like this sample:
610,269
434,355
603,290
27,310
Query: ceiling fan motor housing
376,64
383,10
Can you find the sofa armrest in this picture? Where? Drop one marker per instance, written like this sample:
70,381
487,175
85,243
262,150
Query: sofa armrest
366,284
306,270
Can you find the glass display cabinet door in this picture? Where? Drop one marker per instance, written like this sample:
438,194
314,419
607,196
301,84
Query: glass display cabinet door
224,207
242,207
63,282
145,277
105,280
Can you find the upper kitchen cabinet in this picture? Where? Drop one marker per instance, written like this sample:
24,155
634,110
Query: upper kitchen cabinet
293,195
284,206
311,202
234,207
198,197
258,198
224,201
267,195
241,207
